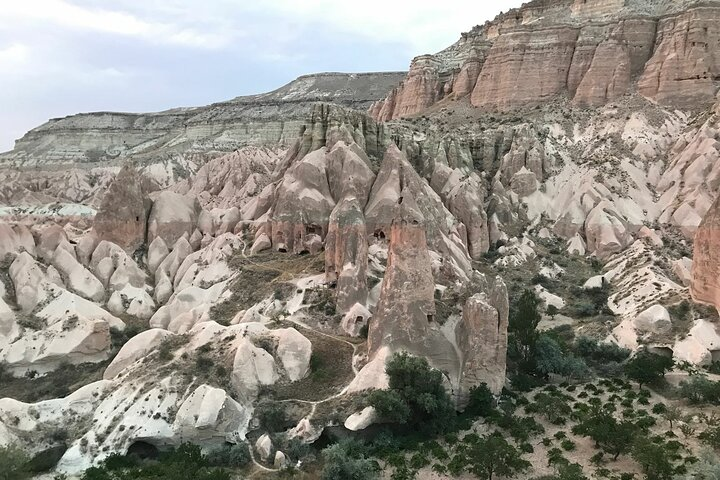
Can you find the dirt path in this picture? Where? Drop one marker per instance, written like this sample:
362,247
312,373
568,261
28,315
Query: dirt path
299,323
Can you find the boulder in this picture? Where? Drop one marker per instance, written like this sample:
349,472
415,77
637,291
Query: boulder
133,301
361,420
29,282
253,368
262,243
280,461
136,348
208,413
655,319
157,252
264,447
293,352
50,238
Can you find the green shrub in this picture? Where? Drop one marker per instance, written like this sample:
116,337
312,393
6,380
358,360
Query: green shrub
346,461
647,368
233,456
653,459
416,396
13,463
600,352
567,445
272,417
700,389
480,403
184,463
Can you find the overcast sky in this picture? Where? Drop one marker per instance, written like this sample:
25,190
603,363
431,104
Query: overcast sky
59,57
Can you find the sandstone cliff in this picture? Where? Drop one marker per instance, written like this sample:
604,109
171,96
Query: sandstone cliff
591,52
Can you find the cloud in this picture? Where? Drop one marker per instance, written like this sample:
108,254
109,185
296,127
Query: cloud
13,56
425,26
60,57
61,13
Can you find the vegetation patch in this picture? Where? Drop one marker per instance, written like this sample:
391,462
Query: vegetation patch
262,275
330,370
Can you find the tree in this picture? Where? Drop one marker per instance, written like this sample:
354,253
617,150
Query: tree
480,402
416,396
522,329
672,414
550,359
493,455
552,310
653,459
13,463
646,367
615,438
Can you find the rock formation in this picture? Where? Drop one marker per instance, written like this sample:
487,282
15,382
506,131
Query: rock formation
705,286
591,51
123,214
482,337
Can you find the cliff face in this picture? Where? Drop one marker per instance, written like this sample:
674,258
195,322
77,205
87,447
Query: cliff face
590,51
273,118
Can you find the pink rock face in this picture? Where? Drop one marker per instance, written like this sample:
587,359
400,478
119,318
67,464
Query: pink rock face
404,319
465,81
684,70
303,204
705,286
608,76
346,254
418,91
482,339
123,214
532,54
525,68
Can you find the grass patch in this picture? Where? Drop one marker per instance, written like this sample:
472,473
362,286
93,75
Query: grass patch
60,383
330,370
261,276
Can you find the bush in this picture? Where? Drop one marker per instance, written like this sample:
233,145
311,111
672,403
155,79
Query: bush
233,456
567,445
707,467
550,359
612,436
711,437
13,463
595,351
480,403
346,461
493,455
184,463
272,417
653,459
416,396
699,389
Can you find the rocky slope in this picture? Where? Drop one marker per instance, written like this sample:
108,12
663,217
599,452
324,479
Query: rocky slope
203,296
